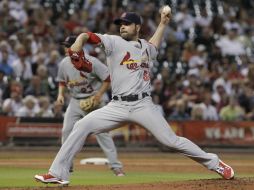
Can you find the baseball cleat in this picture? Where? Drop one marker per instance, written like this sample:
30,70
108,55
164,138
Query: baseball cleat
225,170
118,172
48,178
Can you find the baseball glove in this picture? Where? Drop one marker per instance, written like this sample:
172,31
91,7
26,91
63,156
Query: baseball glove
79,61
88,104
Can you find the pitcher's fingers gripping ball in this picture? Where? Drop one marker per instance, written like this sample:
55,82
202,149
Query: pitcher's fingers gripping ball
166,10
165,14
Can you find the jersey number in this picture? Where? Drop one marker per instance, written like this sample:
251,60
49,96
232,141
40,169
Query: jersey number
88,89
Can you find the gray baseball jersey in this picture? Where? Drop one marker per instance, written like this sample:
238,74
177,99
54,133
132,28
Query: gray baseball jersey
83,85
128,64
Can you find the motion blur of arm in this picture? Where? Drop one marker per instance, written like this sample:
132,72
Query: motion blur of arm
157,36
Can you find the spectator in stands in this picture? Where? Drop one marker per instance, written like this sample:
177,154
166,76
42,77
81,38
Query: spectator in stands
93,7
5,63
35,87
246,40
6,46
232,22
30,107
180,112
177,95
223,81
197,113
217,24
8,24
243,64
206,38
246,99
38,59
17,11
57,110
188,51
234,73
204,73
204,19
199,58
14,103
230,45
172,51
220,97
209,111
192,86
184,19
73,22
44,107
177,34
22,66
232,112
13,42
42,73
148,24
52,64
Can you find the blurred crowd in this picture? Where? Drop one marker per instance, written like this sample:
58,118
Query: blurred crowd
205,67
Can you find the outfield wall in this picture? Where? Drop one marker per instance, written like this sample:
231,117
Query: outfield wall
38,131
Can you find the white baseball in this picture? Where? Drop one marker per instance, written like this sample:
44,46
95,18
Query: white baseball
166,9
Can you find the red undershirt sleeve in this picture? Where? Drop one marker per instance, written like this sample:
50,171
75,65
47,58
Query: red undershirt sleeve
93,38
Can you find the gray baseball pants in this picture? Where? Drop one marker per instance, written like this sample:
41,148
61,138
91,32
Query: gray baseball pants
143,112
72,115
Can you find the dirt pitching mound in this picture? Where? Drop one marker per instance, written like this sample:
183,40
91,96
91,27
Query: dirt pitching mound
210,184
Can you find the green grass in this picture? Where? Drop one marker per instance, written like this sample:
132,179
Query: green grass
23,177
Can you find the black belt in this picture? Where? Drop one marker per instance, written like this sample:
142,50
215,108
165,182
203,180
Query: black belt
80,98
130,98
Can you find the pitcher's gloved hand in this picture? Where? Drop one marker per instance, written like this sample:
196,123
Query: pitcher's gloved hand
79,61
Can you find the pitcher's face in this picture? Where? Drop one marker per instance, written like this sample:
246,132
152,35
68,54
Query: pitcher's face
129,31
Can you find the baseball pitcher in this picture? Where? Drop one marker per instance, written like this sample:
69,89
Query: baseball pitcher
129,59
86,91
